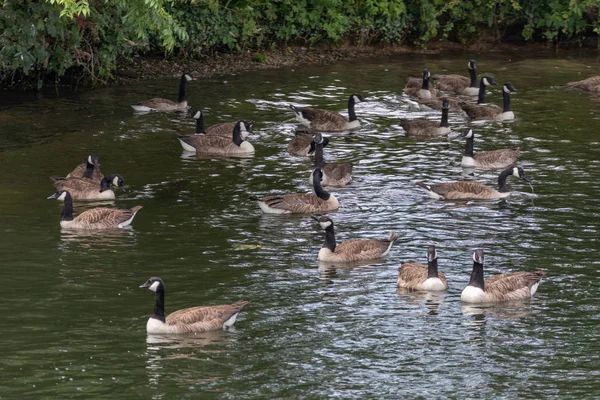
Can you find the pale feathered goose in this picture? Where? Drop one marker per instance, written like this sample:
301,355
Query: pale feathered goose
420,87
486,159
591,84
415,276
329,121
501,287
96,218
458,83
217,145
188,320
333,174
160,104
490,112
300,203
351,250
467,190
427,128
86,189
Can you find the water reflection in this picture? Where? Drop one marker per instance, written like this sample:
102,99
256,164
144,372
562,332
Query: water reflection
83,240
431,300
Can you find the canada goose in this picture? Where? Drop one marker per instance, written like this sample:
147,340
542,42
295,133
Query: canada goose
188,320
329,121
333,174
159,104
437,103
300,203
303,144
85,189
420,88
415,276
501,287
458,83
96,218
351,250
486,159
428,128
490,112
223,129
591,84
89,168
235,145
466,190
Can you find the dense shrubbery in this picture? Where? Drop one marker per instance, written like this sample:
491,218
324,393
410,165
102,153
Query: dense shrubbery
41,41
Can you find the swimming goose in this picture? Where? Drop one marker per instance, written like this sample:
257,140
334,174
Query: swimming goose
188,320
491,112
591,84
486,159
415,276
300,203
223,129
428,128
351,250
333,174
420,88
437,103
303,144
501,287
96,218
458,83
160,104
85,189
89,168
236,144
329,121
467,190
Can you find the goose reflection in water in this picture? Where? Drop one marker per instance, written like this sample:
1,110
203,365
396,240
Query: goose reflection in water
431,300
90,239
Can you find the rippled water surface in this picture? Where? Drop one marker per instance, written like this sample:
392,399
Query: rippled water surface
74,318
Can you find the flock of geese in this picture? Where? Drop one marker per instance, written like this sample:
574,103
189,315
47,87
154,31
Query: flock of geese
86,182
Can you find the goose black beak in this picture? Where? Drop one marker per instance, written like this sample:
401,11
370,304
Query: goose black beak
54,196
315,218
526,179
144,286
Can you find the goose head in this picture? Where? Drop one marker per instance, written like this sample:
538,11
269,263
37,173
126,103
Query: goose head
478,256
431,254
319,139
324,221
153,284
92,159
196,114
357,98
520,173
426,74
243,127
116,180
445,104
467,133
60,195
187,77
487,81
508,88
472,64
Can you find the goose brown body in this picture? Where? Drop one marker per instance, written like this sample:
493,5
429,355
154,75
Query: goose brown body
464,190
86,189
425,128
501,158
416,276
591,84
333,174
79,172
436,103
160,104
328,121
234,145
458,83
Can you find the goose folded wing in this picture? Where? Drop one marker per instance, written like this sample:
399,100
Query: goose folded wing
224,129
104,214
412,271
328,120
337,171
364,247
294,202
451,82
501,157
77,185
157,102
512,286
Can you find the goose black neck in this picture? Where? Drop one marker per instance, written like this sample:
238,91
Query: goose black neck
89,170
481,97
104,184
432,269
469,147
182,83
477,276
159,306
319,161
312,147
425,85
67,211
444,123
473,75
237,135
351,113
200,125
319,191
329,238
506,101
502,180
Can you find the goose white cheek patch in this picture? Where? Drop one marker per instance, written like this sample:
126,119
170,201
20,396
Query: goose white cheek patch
154,286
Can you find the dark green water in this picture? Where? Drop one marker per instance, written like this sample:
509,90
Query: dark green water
74,318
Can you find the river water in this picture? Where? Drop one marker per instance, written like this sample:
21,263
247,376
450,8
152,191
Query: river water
74,318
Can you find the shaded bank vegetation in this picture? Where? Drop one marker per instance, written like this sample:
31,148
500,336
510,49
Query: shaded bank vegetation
83,41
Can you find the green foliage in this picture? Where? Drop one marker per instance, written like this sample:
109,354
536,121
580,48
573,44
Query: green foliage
48,40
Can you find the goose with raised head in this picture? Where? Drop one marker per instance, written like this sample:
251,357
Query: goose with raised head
223,129
85,189
501,287
333,174
426,128
591,84
416,276
96,218
458,83
303,144
188,320
235,145
486,159
329,121
300,203
467,190
160,104
492,112
89,169
420,87
351,250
